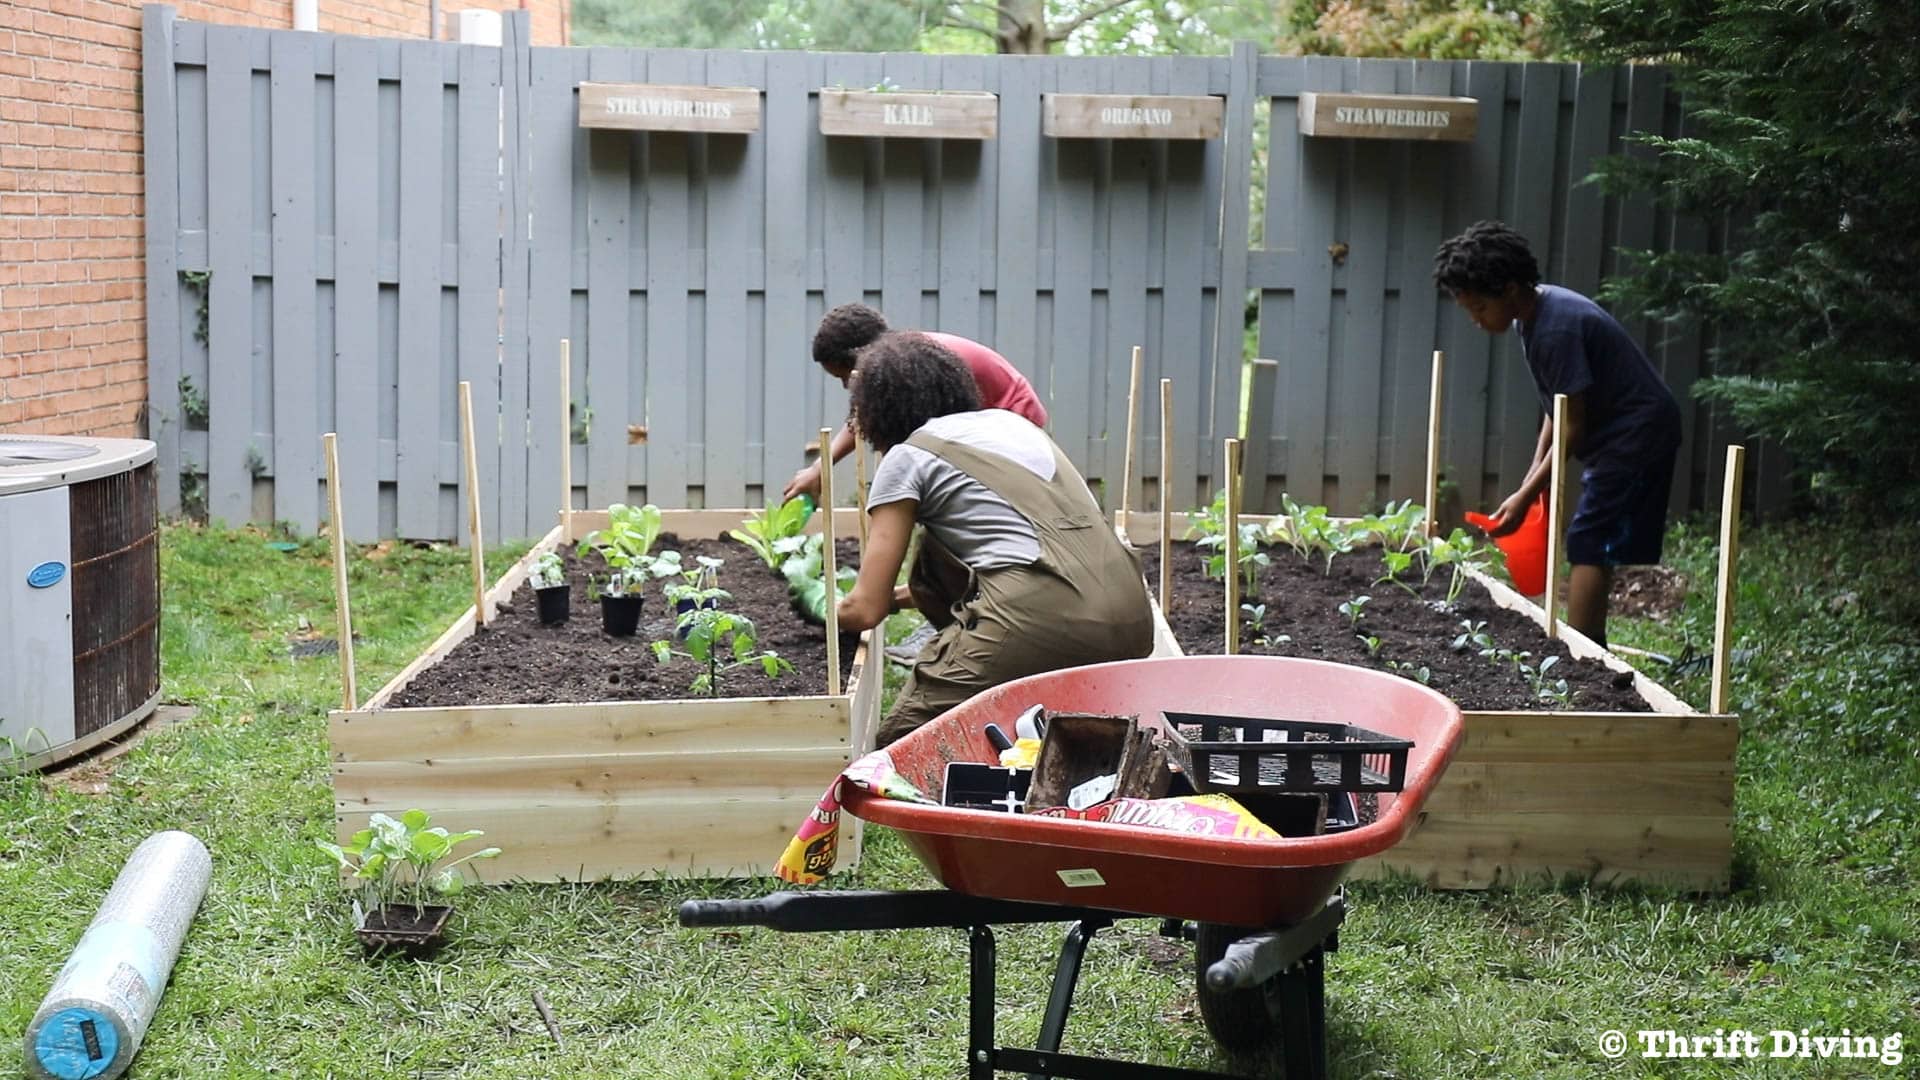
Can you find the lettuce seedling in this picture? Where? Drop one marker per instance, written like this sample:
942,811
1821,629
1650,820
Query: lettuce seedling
376,856
772,532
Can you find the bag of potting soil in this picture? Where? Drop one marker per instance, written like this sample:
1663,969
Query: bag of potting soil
1203,815
815,846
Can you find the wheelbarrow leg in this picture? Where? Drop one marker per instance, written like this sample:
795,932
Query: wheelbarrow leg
1066,977
981,960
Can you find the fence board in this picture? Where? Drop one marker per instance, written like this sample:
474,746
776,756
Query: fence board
1356,376
479,335
1422,227
1127,200
1187,337
161,148
1236,152
1579,262
516,103
729,186
1071,375
356,289
1016,276
1306,364
608,345
1474,194
786,357
420,392
296,436
230,422
667,363
961,183
550,291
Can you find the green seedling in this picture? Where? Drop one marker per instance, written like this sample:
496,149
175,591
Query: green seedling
1372,643
1250,558
806,574
718,640
1256,617
548,571
626,547
398,860
1420,674
1545,688
1400,527
1354,609
1397,563
774,533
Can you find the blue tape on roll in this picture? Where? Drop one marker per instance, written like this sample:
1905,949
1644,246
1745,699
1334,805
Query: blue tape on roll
76,1044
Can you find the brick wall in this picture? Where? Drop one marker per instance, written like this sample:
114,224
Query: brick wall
72,235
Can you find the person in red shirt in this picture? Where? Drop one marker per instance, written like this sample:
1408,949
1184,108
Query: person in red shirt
847,329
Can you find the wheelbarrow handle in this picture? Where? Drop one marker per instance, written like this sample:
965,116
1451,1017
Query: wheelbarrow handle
755,912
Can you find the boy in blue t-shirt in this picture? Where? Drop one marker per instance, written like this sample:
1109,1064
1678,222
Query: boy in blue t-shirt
1622,421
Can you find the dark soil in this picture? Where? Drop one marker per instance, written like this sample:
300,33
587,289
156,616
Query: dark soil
1303,606
1647,592
517,661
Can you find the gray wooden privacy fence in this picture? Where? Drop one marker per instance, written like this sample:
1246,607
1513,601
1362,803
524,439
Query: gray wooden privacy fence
341,229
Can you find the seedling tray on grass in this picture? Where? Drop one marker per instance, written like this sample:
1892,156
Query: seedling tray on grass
584,784
1628,784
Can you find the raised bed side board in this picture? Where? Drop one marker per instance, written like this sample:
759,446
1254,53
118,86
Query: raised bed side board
1608,797
628,789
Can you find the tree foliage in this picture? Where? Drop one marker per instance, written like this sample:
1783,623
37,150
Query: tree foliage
1805,135
1436,29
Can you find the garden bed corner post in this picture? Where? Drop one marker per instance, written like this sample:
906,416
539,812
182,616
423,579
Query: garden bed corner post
1166,492
832,570
349,693
1729,559
566,442
470,462
1433,444
1555,488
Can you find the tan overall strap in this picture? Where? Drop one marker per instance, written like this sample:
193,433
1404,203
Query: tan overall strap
1060,505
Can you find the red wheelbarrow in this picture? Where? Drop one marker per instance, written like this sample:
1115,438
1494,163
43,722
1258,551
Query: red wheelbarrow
1262,912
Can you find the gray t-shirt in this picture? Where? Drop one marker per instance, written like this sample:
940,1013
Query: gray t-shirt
978,526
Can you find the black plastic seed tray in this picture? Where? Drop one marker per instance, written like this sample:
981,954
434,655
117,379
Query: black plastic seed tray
1233,754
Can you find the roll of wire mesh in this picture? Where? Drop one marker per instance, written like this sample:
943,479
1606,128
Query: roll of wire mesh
93,1019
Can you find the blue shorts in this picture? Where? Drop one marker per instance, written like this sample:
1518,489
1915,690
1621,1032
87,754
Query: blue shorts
1622,516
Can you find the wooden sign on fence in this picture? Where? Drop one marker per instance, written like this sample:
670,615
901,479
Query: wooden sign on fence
1389,116
1132,116
651,107
893,114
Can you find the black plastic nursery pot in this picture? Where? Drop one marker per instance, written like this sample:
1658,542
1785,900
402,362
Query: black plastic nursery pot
620,615
554,604
404,928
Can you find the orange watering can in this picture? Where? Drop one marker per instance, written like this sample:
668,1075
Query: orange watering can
1525,547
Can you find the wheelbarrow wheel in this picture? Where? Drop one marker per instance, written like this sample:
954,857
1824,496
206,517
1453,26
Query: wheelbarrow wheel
1237,1019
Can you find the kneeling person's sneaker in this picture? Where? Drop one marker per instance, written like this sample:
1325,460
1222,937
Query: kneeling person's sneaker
910,648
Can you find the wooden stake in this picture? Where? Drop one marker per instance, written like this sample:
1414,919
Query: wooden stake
566,441
1232,548
1555,486
827,555
349,693
860,480
1166,491
472,464
1133,418
1433,445
1729,559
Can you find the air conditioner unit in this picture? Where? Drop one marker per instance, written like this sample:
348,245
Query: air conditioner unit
79,593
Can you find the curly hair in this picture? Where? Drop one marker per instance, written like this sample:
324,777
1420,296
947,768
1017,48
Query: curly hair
844,331
904,380
1484,260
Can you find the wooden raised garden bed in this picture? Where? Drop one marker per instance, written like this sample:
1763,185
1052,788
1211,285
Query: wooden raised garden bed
1628,784
589,789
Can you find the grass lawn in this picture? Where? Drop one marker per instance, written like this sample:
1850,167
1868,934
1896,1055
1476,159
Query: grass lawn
1819,933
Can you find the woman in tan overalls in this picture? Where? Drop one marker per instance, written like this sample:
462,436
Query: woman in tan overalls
1016,566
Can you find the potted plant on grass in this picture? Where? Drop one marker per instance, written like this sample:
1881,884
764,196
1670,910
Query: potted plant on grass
550,590
626,547
399,864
